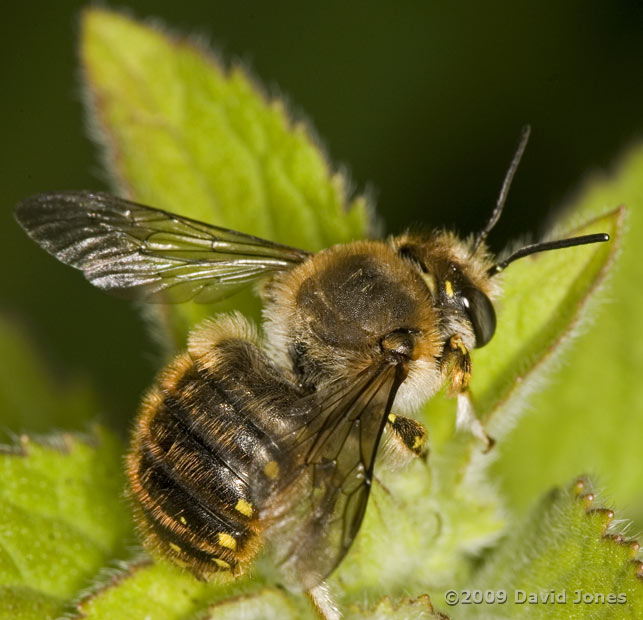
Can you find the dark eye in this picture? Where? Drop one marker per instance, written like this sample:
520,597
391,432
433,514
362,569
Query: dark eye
481,314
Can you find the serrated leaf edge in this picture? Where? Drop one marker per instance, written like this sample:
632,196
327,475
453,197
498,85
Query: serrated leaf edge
612,531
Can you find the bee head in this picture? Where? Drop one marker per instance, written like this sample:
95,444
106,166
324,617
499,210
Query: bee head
460,286
460,274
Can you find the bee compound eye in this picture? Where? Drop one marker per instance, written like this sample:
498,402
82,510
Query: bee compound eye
481,314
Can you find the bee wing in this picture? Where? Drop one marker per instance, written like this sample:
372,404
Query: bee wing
337,442
138,252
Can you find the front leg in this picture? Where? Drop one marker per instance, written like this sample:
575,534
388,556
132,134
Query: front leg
457,364
404,440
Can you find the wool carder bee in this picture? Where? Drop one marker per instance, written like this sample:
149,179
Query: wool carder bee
248,441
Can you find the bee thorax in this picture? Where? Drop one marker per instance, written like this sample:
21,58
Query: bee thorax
342,309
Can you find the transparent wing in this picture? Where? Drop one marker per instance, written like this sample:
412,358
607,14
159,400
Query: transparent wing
138,252
336,446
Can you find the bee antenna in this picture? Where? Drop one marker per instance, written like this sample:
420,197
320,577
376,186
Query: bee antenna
504,190
547,245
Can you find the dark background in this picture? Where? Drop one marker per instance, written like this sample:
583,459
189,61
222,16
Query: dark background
422,101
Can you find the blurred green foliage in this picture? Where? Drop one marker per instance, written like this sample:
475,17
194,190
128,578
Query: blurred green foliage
424,101
63,519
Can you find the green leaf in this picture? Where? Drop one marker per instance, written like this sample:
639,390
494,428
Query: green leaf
163,592
565,545
266,604
407,609
30,399
591,419
544,301
184,133
62,518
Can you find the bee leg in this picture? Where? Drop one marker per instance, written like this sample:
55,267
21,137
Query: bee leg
404,440
411,433
458,363
323,601
465,418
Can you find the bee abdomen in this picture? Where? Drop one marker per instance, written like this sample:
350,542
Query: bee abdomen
203,464
177,523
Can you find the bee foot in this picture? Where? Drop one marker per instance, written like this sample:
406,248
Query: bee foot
466,419
323,601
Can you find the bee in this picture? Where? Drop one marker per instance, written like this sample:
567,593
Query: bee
246,440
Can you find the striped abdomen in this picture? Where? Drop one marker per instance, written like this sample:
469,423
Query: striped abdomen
205,456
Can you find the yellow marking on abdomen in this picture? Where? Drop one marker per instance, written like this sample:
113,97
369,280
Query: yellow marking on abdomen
391,418
271,470
175,547
227,541
183,520
221,563
244,507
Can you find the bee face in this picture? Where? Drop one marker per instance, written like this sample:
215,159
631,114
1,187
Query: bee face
244,443
459,281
